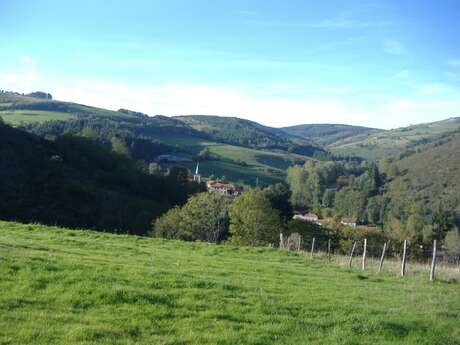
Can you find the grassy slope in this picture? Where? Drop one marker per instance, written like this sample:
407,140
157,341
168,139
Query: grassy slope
378,145
327,134
81,287
17,117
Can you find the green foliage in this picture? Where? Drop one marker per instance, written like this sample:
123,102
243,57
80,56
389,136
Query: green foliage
452,242
204,217
307,230
253,221
77,183
119,147
345,187
279,196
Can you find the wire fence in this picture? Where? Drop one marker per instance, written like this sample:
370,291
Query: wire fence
374,255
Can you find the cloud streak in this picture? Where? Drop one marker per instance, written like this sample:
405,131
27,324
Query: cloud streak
393,47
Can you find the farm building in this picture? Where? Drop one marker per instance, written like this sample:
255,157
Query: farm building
223,188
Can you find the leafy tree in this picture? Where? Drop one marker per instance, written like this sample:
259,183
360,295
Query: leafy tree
119,146
203,218
167,226
253,221
279,196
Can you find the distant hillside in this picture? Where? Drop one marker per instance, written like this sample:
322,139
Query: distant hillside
146,138
328,134
430,176
236,131
75,182
393,142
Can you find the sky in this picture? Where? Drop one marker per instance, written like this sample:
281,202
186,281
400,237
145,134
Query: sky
381,64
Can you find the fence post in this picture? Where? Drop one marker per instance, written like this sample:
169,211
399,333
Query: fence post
364,254
382,257
329,250
352,253
433,262
403,263
312,247
281,240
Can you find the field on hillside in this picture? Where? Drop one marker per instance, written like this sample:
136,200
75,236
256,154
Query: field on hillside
269,166
81,287
378,145
17,117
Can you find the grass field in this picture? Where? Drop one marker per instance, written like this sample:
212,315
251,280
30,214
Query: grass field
268,166
381,144
80,287
17,117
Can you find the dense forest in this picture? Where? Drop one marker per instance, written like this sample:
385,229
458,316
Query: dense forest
74,181
412,203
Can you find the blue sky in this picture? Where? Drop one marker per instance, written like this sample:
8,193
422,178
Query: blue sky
374,63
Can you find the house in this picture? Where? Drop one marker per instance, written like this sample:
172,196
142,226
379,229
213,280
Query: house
309,217
348,222
223,188
326,220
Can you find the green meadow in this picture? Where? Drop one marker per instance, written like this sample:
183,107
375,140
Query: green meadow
18,117
61,286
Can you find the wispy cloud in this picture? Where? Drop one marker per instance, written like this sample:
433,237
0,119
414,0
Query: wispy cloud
328,23
393,47
339,23
403,74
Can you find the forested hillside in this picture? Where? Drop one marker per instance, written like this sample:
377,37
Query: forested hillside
429,177
75,182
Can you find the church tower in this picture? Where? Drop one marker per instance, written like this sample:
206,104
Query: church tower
197,175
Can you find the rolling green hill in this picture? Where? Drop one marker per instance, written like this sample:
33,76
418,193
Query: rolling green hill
81,287
393,142
145,138
328,134
241,132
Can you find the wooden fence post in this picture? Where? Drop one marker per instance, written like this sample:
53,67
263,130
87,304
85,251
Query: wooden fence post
364,254
433,262
382,257
312,247
403,263
281,240
352,253
329,250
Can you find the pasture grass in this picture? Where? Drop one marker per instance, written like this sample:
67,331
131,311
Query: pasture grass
18,117
61,286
